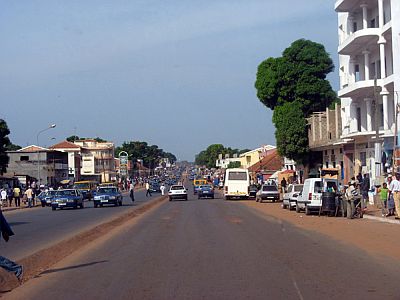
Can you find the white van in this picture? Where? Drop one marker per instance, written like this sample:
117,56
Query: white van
236,184
311,195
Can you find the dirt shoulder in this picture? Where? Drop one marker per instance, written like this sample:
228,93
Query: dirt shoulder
375,237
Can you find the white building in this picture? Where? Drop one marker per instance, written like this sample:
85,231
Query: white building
369,48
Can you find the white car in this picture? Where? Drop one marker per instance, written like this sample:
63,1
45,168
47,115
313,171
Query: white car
290,197
177,192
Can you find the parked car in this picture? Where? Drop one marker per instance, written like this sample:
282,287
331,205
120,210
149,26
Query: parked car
107,195
67,198
268,192
253,189
311,195
177,192
46,197
206,191
290,197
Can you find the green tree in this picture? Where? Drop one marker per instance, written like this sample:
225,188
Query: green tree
13,147
72,138
294,86
209,156
4,144
234,164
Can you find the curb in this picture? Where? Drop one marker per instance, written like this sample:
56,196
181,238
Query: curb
38,262
383,220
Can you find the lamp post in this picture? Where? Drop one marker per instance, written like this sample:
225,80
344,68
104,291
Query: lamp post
38,152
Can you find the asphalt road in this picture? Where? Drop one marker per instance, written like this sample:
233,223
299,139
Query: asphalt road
215,249
39,227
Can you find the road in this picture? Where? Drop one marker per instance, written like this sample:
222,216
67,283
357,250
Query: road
38,228
215,249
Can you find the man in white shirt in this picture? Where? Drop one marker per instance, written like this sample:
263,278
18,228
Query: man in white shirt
394,189
3,197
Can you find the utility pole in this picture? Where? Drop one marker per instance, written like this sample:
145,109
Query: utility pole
378,144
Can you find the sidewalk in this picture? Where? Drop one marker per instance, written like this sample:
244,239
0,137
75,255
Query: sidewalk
23,206
375,213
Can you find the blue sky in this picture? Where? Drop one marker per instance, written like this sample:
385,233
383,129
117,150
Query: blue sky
179,74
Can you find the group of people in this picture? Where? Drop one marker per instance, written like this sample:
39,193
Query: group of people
8,195
356,194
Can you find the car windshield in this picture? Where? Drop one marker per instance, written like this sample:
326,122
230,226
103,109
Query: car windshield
107,190
50,193
269,188
177,187
81,185
206,186
66,193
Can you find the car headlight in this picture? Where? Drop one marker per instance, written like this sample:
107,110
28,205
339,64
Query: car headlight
96,198
70,200
112,197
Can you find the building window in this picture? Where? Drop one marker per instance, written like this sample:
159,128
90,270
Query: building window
358,119
355,28
363,158
24,158
334,164
372,23
341,150
332,151
357,72
327,164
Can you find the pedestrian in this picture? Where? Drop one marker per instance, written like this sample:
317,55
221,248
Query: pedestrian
162,188
29,196
17,196
10,195
132,192
394,188
364,186
5,263
283,185
383,196
350,196
148,192
3,197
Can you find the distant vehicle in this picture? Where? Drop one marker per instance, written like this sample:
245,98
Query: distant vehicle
107,195
290,197
86,187
155,187
67,198
177,192
216,182
108,184
206,191
237,183
268,192
46,197
197,183
253,191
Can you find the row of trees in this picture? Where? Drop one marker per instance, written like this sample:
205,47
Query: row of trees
209,156
294,86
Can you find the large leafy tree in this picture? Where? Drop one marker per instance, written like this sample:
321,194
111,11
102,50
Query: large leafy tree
4,144
297,79
209,156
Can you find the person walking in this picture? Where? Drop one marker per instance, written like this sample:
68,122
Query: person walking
349,196
132,192
3,195
10,194
394,188
148,192
364,187
17,196
383,195
283,185
29,196
162,188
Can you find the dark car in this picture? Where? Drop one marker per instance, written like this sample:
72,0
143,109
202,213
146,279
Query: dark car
67,198
268,192
205,191
46,197
107,195
155,187
253,189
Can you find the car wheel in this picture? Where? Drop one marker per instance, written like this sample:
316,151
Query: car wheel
120,203
297,209
290,207
170,199
284,206
96,206
308,212
53,208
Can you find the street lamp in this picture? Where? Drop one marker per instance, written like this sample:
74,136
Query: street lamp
38,151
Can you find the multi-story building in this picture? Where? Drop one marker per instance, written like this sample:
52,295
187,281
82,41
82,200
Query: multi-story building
98,161
74,158
34,163
369,48
252,157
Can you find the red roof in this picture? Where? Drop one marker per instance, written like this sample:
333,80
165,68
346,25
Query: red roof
271,162
65,145
287,172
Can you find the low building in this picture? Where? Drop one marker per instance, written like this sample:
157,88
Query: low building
38,164
267,166
252,157
74,158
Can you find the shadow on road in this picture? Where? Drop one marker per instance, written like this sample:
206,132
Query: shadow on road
17,223
71,267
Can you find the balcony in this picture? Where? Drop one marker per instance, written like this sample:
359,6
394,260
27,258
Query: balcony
360,89
353,5
361,39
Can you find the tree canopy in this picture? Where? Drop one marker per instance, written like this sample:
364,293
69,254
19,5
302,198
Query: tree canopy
74,138
4,144
209,156
294,86
150,154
